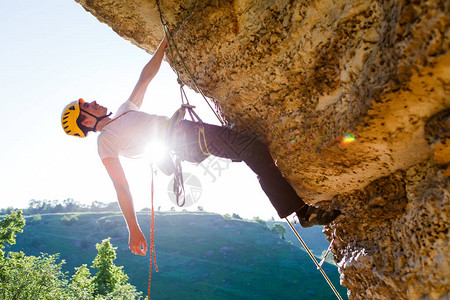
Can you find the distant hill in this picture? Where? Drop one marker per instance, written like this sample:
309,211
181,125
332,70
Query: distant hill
199,255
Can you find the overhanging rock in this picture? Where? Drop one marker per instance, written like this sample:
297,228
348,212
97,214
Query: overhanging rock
353,99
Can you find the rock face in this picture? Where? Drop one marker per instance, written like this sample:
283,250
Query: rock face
353,99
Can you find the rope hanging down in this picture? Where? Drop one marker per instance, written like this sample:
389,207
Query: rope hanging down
185,103
326,253
319,266
217,113
152,239
178,187
184,99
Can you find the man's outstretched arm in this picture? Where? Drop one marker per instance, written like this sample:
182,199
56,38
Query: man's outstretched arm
137,242
147,74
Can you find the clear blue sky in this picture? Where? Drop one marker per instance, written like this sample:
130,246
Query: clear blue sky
53,52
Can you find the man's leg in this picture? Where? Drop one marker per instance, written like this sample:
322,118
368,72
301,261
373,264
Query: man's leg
223,142
227,143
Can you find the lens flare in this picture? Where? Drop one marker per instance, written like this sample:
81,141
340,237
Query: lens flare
156,152
347,139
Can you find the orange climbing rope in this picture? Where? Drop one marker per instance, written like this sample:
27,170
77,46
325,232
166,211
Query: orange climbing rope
152,241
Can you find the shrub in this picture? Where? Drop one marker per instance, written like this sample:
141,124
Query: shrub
236,216
279,229
69,221
227,216
262,222
31,277
35,219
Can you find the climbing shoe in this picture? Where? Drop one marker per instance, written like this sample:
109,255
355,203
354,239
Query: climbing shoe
310,216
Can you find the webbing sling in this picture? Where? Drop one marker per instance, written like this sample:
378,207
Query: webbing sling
202,138
173,124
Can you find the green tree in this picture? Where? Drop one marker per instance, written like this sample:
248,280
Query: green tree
7,211
81,286
36,218
69,221
262,222
31,277
236,216
98,206
110,280
70,205
113,206
34,206
279,229
27,277
9,226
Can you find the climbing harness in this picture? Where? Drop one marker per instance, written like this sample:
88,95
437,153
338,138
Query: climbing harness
202,138
175,121
171,137
319,266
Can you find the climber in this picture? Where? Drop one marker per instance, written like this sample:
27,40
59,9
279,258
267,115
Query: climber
128,132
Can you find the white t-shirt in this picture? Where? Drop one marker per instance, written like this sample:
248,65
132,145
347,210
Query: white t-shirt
130,132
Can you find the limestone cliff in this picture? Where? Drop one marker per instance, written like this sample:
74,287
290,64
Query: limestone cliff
302,76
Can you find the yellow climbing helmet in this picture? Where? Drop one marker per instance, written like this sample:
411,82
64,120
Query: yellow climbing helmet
69,118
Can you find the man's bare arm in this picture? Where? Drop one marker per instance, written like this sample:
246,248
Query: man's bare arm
137,242
147,74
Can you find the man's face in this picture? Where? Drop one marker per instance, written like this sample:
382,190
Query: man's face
93,108
90,109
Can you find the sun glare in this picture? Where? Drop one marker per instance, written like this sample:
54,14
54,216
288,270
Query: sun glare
156,151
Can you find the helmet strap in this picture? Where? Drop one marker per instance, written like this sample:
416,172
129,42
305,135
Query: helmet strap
98,119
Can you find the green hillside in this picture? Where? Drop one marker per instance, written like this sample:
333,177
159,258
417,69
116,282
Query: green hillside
199,255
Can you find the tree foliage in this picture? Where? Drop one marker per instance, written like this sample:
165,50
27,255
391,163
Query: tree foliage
279,229
262,222
41,277
81,284
110,278
9,226
31,277
68,205
69,221
236,216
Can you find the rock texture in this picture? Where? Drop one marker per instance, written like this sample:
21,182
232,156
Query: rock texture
353,99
